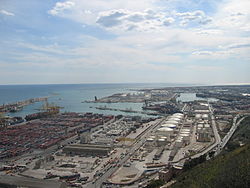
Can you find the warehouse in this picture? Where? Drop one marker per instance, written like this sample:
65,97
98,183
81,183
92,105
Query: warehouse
87,149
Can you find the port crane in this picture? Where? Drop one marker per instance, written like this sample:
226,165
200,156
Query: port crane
49,107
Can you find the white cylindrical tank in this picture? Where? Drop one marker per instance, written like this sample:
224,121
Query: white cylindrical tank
206,125
172,126
205,116
198,116
163,137
172,122
184,134
150,140
179,114
161,142
200,125
174,119
164,131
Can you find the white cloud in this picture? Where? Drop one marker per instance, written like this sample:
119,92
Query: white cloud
208,32
60,7
140,15
86,12
155,40
148,19
7,13
112,18
168,21
237,45
219,54
197,16
233,16
204,68
203,53
130,20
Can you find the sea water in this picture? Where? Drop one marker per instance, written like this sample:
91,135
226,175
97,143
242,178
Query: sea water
72,96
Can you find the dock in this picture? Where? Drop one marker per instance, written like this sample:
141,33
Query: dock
127,110
18,106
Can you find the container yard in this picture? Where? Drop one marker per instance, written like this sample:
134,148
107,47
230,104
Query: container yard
93,150
44,133
87,146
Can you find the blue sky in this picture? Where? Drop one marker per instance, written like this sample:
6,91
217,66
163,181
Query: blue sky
117,41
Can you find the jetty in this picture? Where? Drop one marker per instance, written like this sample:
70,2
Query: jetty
18,106
127,110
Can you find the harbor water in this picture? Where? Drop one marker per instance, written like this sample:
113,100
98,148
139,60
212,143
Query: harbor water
72,96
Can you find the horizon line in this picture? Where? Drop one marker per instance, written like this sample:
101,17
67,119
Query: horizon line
114,83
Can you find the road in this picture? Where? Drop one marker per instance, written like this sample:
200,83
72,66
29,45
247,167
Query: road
132,150
216,135
184,107
228,135
43,153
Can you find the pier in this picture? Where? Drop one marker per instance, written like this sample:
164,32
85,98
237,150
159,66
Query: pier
126,110
18,106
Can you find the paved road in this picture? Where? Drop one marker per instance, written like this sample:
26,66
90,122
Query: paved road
228,135
184,107
133,149
216,135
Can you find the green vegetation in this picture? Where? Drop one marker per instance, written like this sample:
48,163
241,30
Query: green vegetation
192,163
155,184
229,169
241,135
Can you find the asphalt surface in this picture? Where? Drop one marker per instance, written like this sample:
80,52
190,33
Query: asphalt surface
98,183
216,135
228,135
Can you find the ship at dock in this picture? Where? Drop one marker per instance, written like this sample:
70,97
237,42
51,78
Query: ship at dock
47,109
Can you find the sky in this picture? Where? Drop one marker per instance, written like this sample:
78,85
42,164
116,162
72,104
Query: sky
118,41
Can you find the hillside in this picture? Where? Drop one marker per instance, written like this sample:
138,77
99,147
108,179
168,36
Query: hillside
230,169
241,135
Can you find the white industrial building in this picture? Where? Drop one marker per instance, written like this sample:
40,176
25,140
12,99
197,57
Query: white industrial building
164,131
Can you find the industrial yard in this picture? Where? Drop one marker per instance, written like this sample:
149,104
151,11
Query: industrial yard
44,133
94,150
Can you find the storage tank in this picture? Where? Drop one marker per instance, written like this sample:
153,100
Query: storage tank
205,116
164,131
206,125
200,125
198,116
172,126
179,114
172,122
150,139
174,119
184,134
178,143
161,142
164,137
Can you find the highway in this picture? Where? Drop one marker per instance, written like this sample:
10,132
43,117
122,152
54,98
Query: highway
228,135
132,150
